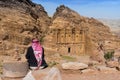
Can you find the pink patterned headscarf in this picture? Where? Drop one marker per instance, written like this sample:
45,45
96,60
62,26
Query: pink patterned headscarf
37,48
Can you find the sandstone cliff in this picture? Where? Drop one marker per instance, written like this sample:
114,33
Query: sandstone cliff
97,32
22,18
71,18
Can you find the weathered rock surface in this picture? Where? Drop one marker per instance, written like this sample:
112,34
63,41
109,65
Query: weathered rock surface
15,69
21,19
97,32
106,69
112,64
74,65
68,17
88,71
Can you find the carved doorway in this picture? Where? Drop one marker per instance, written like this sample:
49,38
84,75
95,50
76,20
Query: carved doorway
69,50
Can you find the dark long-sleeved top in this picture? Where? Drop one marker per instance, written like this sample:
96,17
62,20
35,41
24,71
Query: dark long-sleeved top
31,58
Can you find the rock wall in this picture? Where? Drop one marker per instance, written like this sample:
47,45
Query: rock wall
21,20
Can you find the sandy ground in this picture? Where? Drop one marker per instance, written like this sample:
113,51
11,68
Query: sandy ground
85,76
76,75
91,76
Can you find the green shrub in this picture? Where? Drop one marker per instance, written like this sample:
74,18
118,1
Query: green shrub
109,55
53,63
68,58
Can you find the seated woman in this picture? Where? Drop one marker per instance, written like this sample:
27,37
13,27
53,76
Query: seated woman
35,56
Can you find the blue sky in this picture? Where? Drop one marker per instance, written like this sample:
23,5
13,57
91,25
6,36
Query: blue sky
91,8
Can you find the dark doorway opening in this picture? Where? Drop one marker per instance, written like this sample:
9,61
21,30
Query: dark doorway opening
68,49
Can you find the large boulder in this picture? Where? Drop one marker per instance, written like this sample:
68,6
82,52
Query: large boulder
15,69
